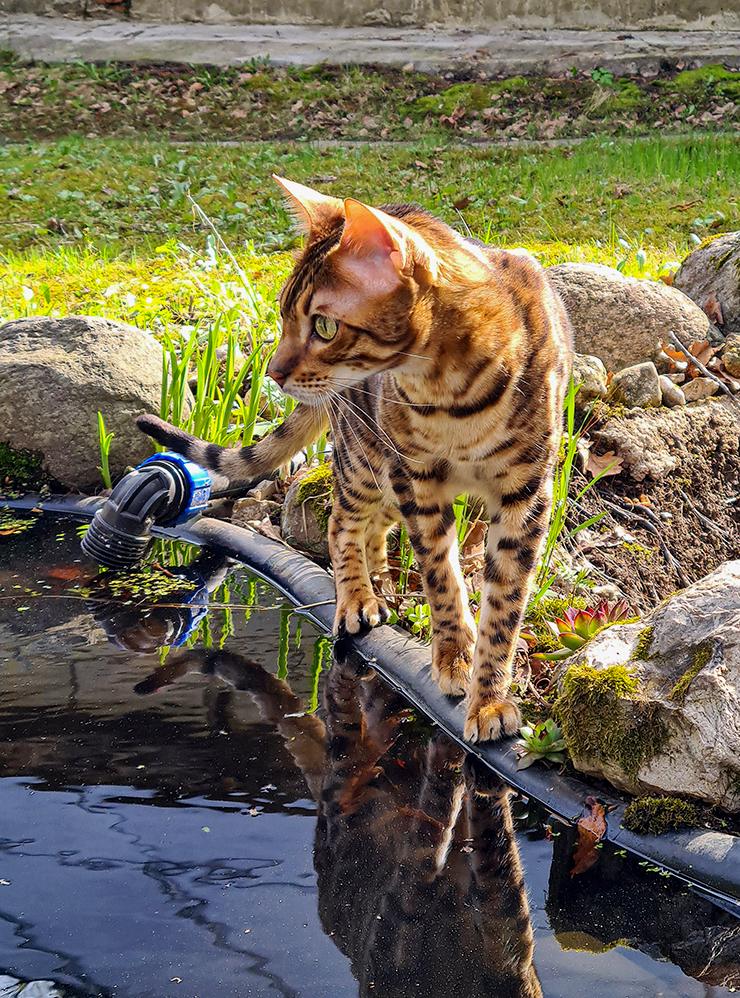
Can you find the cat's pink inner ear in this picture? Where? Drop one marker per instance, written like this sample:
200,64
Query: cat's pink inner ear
309,208
371,250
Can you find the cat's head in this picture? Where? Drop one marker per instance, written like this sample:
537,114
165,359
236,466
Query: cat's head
354,304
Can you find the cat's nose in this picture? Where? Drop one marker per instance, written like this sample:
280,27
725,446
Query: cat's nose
277,375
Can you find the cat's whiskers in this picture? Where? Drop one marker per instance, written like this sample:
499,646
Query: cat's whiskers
373,426
336,399
381,398
337,431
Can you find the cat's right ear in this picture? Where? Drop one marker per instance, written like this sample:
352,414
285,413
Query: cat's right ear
311,211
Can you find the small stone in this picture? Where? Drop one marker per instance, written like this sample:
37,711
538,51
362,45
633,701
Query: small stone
699,388
671,394
731,355
637,386
590,374
249,510
305,514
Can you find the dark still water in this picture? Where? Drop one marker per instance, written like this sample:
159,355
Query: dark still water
243,816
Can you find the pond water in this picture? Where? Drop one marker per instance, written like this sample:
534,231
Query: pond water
241,816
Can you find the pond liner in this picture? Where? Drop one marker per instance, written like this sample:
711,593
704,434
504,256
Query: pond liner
708,859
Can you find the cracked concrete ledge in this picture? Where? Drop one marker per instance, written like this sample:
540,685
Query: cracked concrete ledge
509,51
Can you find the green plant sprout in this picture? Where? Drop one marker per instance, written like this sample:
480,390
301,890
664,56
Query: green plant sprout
579,626
104,439
544,742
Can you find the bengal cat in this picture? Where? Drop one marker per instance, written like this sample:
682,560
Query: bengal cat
440,365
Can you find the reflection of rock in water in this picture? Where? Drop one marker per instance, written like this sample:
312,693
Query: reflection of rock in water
421,890
617,903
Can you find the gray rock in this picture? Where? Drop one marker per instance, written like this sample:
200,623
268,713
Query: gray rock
670,394
306,512
731,355
637,386
677,731
590,374
56,374
714,270
699,388
655,442
621,319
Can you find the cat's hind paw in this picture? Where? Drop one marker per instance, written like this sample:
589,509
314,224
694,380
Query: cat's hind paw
487,722
356,615
452,673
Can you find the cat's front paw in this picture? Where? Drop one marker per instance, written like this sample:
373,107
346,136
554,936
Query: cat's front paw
487,721
359,613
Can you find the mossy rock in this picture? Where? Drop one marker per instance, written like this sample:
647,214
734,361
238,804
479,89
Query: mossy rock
306,510
625,96
652,706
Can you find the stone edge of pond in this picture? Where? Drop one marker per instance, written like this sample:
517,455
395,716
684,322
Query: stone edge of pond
708,859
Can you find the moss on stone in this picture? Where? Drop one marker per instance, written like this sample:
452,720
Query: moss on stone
642,648
702,656
604,716
655,815
317,487
21,469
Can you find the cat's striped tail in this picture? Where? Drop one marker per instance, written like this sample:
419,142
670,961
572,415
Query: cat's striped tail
242,464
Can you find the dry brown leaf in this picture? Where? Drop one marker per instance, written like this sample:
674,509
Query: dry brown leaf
474,545
606,464
713,309
591,830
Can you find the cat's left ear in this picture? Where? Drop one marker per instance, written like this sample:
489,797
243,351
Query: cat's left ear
311,210
379,250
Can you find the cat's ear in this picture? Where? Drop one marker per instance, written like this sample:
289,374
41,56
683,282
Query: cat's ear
310,210
379,250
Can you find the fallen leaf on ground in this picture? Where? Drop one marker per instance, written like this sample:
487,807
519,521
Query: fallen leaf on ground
713,309
591,830
604,464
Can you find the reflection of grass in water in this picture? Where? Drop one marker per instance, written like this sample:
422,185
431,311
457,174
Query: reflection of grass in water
10,524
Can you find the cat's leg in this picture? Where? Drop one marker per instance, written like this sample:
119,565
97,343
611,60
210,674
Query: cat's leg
430,524
376,534
355,507
515,537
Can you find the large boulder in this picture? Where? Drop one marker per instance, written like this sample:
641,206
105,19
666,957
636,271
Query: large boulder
57,374
712,274
654,705
623,320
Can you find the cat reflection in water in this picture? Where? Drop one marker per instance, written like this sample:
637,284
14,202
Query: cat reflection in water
419,880
440,366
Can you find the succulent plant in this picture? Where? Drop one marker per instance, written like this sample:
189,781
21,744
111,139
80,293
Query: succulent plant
579,626
545,742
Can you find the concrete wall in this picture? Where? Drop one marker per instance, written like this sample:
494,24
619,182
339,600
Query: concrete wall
475,14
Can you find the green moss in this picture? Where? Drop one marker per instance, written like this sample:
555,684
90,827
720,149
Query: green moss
21,469
473,96
317,488
702,656
694,81
604,716
626,97
642,648
548,609
655,815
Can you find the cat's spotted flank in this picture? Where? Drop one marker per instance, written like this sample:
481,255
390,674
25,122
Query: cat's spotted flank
440,365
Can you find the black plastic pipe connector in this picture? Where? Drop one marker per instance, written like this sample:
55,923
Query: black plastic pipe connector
120,532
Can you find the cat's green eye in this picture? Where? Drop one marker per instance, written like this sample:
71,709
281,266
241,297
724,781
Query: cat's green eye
325,327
